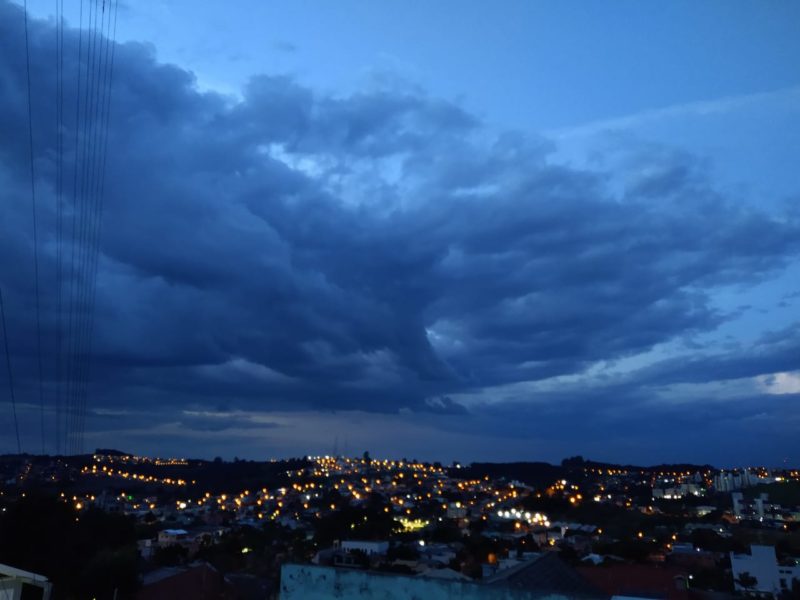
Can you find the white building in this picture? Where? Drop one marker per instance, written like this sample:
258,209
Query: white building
761,563
728,482
757,509
456,511
168,537
14,580
676,491
367,547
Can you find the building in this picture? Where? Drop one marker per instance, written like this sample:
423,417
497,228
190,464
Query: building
686,556
543,576
367,547
169,537
762,564
14,583
734,480
456,511
759,508
677,491
352,553
199,580
639,581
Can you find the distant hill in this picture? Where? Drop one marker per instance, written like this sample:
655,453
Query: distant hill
590,464
540,474
111,452
536,474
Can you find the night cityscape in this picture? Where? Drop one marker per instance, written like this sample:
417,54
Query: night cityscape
307,300
184,528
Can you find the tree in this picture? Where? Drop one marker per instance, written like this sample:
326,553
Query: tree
360,558
169,556
573,461
85,554
746,580
793,593
710,540
402,552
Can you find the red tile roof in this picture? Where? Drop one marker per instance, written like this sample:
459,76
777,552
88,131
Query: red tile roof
654,581
201,582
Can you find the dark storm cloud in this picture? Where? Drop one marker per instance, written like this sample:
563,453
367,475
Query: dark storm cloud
379,251
188,420
777,351
220,422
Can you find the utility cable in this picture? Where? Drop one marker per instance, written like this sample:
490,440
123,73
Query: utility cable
35,232
10,374
105,110
59,215
69,409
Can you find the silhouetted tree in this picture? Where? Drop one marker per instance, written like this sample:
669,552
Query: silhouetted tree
573,461
85,554
746,580
170,556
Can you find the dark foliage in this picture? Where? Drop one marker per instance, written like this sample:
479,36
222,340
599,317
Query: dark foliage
86,554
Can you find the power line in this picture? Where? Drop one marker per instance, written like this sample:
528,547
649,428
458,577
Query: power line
10,375
35,233
69,415
97,180
104,98
91,105
92,108
90,144
60,213
79,237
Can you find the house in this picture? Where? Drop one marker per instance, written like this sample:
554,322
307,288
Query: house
169,537
367,547
639,581
199,580
545,573
435,555
352,553
759,572
685,555
495,566
16,583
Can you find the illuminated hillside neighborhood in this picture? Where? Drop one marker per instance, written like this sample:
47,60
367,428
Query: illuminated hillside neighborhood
454,524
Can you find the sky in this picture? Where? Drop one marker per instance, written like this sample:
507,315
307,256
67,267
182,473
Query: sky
446,231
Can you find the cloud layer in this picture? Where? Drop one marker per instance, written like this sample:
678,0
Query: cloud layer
381,252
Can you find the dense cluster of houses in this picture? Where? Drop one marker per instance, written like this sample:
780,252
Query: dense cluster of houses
695,528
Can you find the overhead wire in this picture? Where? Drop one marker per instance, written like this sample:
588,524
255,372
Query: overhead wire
80,235
69,413
10,373
87,148
59,216
106,61
89,171
88,200
76,282
35,228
